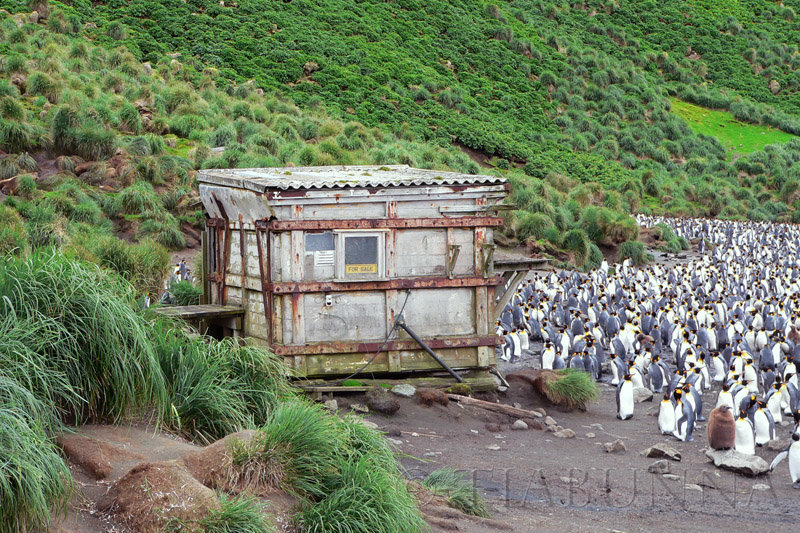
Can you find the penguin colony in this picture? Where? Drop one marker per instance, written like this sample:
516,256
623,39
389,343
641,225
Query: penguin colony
729,318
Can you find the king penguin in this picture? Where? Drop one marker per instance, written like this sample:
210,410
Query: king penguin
793,453
625,398
666,415
721,430
684,418
745,438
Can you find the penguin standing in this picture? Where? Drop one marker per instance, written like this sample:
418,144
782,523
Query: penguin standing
625,398
793,453
763,424
721,430
745,441
666,415
684,418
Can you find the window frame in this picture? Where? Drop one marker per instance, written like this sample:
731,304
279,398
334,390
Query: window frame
340,237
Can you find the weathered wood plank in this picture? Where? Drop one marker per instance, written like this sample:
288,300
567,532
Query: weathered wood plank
193,312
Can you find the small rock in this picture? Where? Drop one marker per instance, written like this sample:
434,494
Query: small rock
785,423
331,405
33,17
749,465
475,431
492,428
367,423
537,425
642,394
659,467
519,424
590,435
615,447
396,442
777,445
564,434
548,421
493,447
541,412
405,390
569,480
658,451
359,408
692,486
147,68
774,86
671,477
517,405
761,487
431,454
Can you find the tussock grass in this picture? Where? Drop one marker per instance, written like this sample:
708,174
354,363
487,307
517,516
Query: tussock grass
102,346
568,387
185,293
458,490
239,514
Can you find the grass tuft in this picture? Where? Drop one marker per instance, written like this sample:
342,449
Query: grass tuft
458,490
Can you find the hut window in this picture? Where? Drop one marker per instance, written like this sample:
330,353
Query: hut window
320,260
361,255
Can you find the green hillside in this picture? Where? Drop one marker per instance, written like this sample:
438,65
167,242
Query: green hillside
585,106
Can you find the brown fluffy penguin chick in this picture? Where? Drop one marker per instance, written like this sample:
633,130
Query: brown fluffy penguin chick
721,428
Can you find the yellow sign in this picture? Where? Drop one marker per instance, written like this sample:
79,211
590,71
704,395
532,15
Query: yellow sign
370,268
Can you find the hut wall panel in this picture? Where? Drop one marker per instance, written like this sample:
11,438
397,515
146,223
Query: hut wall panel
354,316
465,263
441,312
421,253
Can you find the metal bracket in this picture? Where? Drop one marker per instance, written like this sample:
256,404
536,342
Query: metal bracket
452,256
487,254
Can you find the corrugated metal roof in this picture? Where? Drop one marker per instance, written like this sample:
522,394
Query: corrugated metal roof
335,177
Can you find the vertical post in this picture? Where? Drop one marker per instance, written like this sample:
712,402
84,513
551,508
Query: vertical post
203,265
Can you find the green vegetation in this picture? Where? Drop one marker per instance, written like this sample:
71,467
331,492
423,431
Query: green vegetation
570,388
737,137
458,490
73,347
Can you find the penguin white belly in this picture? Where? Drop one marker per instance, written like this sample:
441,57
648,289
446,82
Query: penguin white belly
763,434
524,341
750,374
517,350
666,417
719,369
548,357
745,440
636,379
625,400
724,398
774,406
794,461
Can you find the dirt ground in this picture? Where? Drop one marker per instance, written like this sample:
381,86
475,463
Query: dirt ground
538,482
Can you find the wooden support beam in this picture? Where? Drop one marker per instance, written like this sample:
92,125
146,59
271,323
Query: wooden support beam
496,407
501,303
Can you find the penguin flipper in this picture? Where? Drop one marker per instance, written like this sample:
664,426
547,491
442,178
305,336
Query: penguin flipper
778,458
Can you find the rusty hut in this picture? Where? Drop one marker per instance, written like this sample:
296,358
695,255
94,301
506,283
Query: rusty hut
323,261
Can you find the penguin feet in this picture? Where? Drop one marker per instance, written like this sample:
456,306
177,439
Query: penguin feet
690,439
796,485
702,419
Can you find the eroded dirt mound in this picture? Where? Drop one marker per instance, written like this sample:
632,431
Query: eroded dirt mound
213,465
94,456
152,495
442,517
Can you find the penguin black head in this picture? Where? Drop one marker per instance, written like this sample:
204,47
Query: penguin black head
795,436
